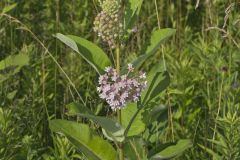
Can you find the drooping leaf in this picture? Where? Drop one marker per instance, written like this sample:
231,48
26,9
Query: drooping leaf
173,151
157,84
133,8
68,41
9,8
93,146
112,137
94,55
153,113
157,38
137,125
158,148
158,79
12,65
112,128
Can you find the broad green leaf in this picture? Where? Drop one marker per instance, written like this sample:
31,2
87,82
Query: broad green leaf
134,149
157,38
76,108
12,65
94,55
137,126
112,137
173,151
68,41
93,146
9,8
157,84
158,148
152,113
92,52
133,8
112,128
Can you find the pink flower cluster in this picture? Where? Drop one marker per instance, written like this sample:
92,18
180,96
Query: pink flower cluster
118,90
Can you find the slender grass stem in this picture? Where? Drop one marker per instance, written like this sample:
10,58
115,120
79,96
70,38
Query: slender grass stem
219,107
24,27
56,54
120,145
158,19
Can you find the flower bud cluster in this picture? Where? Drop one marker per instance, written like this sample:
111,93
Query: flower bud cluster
111,6
108,22
119,90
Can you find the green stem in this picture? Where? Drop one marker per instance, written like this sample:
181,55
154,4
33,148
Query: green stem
120,144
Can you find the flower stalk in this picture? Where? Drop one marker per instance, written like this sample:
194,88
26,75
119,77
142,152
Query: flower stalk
120,144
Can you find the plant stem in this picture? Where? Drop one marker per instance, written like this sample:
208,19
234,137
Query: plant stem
219,107
120,144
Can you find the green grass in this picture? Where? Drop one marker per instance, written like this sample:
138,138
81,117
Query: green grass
203,59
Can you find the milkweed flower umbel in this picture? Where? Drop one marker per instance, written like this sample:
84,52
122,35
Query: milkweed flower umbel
118,90
108,23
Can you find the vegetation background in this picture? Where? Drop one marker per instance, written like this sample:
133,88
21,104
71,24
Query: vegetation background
203,59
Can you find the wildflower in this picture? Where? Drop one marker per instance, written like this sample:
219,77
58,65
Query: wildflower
142,75
130,68
118,90
107,23
111,7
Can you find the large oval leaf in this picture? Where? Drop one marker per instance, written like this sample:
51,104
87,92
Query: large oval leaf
158,81
173,151
157,38
132,113
93,146
94,55
133,8
112,129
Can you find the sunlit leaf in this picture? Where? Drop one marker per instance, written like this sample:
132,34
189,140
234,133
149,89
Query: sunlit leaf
173,151
12,65
9,8
137,125
157,38
156,85
133,8
112,128
93,146
94,55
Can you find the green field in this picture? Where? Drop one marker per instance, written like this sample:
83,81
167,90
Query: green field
51,108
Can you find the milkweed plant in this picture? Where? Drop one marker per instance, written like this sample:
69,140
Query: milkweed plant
125,88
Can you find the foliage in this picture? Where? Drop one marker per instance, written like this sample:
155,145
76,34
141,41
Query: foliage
197,70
